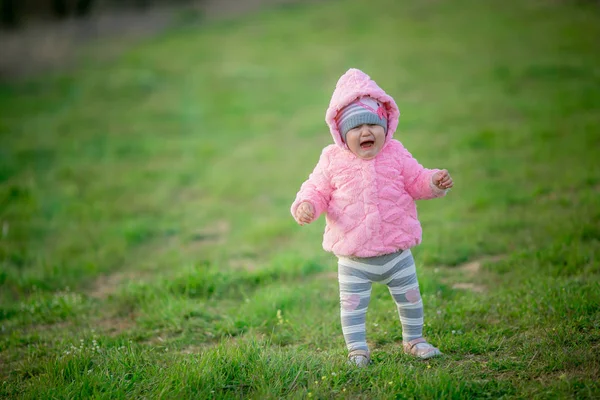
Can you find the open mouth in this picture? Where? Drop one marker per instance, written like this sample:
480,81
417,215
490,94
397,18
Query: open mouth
367,144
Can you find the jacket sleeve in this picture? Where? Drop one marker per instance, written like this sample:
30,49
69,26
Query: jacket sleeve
418,179
316,189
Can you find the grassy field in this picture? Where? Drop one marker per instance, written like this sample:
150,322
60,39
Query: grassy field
147,250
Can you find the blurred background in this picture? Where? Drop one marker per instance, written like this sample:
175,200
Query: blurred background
41,34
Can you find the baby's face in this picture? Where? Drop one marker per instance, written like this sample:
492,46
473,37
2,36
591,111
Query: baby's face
366,141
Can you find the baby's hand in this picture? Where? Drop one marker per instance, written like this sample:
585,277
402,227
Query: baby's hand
305,213
442,179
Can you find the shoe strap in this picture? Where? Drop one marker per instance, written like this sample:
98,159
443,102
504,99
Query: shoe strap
414,342
363,353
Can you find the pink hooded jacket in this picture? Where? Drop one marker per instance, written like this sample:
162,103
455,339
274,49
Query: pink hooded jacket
370,204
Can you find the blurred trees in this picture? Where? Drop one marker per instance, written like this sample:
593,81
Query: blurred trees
14,12
8,13
62,8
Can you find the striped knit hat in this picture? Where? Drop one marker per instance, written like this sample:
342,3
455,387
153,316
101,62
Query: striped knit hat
365,110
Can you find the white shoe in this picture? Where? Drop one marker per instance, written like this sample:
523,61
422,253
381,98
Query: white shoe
421,349
359,358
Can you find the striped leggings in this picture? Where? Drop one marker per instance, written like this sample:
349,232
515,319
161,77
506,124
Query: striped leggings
356,276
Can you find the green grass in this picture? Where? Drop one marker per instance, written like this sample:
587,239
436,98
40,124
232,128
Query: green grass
147,249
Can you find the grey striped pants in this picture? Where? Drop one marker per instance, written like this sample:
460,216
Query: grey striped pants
356,276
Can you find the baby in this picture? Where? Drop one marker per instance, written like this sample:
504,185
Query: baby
367,184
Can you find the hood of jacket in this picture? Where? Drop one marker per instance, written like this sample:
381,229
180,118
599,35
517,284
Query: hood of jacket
351,86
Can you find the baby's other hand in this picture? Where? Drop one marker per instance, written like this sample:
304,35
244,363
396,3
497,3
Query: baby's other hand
305,213
442,179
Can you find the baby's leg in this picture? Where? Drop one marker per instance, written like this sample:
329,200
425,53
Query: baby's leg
404,287
355,294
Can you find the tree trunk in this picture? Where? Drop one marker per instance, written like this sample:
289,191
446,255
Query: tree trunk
83,7
60,8
143,4
9,15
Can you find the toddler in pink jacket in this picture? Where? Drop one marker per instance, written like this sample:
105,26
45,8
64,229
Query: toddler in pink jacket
366,184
